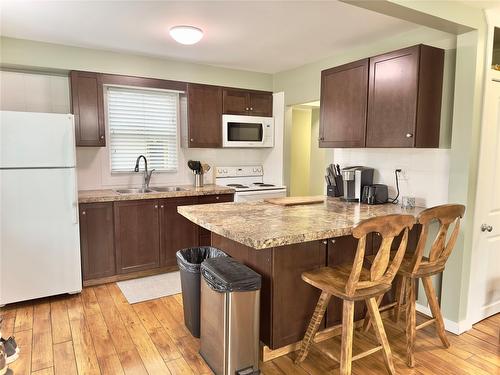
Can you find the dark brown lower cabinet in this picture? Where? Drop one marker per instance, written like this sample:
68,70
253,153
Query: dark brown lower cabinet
96,240
142,235
176,231
204,235
137,235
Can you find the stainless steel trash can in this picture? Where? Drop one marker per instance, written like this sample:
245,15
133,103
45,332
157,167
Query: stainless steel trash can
229,317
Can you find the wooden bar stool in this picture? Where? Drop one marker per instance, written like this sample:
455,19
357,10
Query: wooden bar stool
353,282
417,266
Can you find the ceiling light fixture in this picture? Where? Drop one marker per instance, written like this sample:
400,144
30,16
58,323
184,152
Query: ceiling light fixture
186,34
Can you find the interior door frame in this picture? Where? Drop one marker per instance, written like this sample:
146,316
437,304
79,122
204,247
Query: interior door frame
482,203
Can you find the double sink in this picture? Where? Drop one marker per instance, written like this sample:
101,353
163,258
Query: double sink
161,189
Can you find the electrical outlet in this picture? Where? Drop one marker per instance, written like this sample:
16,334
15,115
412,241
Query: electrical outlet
403,176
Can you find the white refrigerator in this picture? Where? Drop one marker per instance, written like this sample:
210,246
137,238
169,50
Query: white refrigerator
39,235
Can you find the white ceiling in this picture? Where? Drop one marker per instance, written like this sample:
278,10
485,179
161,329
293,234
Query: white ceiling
262,36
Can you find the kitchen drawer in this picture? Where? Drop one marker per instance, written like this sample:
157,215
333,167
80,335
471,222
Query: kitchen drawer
219,198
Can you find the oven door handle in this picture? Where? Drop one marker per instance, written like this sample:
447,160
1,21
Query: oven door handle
260,192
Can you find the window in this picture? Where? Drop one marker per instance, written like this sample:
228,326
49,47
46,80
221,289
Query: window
142,121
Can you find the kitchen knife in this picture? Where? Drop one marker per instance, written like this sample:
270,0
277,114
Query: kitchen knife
331,170
333,181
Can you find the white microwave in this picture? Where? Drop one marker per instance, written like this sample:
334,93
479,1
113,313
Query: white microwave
247,131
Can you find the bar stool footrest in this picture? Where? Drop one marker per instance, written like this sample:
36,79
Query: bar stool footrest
387,307
354,357
425,324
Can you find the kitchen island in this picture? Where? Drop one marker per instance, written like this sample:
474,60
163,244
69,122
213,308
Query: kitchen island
280,243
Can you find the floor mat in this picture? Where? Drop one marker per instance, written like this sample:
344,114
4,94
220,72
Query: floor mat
151,287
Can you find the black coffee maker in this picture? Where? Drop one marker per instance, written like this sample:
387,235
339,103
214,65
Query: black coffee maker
355,178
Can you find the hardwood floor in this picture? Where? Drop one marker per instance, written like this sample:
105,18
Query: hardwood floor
98,332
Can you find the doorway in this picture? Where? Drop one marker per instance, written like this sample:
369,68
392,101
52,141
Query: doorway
306,160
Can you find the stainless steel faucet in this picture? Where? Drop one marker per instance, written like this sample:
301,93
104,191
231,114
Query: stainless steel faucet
147,175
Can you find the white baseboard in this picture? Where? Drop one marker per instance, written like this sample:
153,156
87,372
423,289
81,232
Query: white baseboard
451,326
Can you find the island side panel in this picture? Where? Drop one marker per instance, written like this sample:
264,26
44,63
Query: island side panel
260,261
294,300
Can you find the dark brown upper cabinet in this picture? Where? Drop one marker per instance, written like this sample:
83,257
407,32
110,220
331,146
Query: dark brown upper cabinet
390,100
344,95
137,235
261,104
247,102
404,100
96,240
204,116
87,105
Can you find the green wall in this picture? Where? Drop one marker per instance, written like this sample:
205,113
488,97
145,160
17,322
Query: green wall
19,53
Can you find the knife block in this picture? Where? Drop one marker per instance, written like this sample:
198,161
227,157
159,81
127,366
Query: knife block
336,190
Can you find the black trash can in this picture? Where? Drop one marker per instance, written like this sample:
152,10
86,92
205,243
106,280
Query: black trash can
189,261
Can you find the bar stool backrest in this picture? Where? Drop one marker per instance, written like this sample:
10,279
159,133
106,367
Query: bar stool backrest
441,247
383,269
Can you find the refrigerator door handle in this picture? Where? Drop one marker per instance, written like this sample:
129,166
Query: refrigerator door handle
74,203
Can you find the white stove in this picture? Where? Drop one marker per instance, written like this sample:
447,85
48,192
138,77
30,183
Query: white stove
249,183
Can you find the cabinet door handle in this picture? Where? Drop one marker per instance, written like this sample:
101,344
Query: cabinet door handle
251,109
409,135
156,206
217,198
325,242
102,137
161,206
84,213
191,140
333,241
246,109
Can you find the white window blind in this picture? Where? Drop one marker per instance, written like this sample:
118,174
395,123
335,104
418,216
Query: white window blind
142,121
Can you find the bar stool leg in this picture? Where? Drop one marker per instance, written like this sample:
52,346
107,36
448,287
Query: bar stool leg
410,322
436,311
380,333
316,319
368,319
347,334
400,296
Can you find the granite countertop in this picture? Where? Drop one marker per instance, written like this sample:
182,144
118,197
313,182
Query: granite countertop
262,225
109,195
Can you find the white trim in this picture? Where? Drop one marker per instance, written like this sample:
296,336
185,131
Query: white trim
449,325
